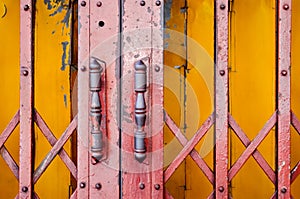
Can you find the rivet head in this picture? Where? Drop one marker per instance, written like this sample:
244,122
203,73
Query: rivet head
24,189
222,6
283,190
157,3
286,6
83,3
26,7
82,68
142,186
283,72
157,186
98,186
142,3
99,4
221,188
222,72
157,68
82,185
25,72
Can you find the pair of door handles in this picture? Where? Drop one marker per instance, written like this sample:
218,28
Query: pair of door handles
140,87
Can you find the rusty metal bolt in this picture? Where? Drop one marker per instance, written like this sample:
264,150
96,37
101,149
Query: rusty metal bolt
83,3
99,3
221,189
283,72
222,72
157,68
157,186
283,190
26,7
142,3
24,189
82,185
286,6
98,186
157,3
222,6
142,186
25,72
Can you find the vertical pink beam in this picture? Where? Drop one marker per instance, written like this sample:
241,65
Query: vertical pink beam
83,100
221,99
104,38
26,98
157,80
136,45
284,121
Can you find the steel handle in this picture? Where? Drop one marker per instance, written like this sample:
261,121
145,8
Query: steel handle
95,110
140,86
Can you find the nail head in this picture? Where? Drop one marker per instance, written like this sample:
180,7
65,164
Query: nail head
24,189
222,72
157,186
142,186
142,3
158,3
99,3
286,6
82,185
221,188
98,186
222,6
26,7
283,72
83,3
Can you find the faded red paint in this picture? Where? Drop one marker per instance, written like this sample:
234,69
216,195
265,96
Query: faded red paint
221,99
252,146
104,46
284,97
256,154
52,140
188,147
83,160
26,98
194,154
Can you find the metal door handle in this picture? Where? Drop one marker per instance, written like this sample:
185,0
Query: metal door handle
140,85
95,110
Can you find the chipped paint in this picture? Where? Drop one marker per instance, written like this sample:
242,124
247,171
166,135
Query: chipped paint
58,6
66,53
65,101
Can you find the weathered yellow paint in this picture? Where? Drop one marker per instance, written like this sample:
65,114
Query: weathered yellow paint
173,90
52,88
52,99
252,89
9,88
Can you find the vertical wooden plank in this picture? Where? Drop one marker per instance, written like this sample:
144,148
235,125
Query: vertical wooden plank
104,45
136,46
83,160
221,98
283,97
26,98
157,82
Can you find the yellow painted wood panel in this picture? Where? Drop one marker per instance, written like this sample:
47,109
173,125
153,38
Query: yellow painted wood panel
252,89
9,88
52,88
52,98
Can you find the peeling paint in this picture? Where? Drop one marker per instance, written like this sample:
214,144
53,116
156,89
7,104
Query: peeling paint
167,11
65,100
64,61
58,6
